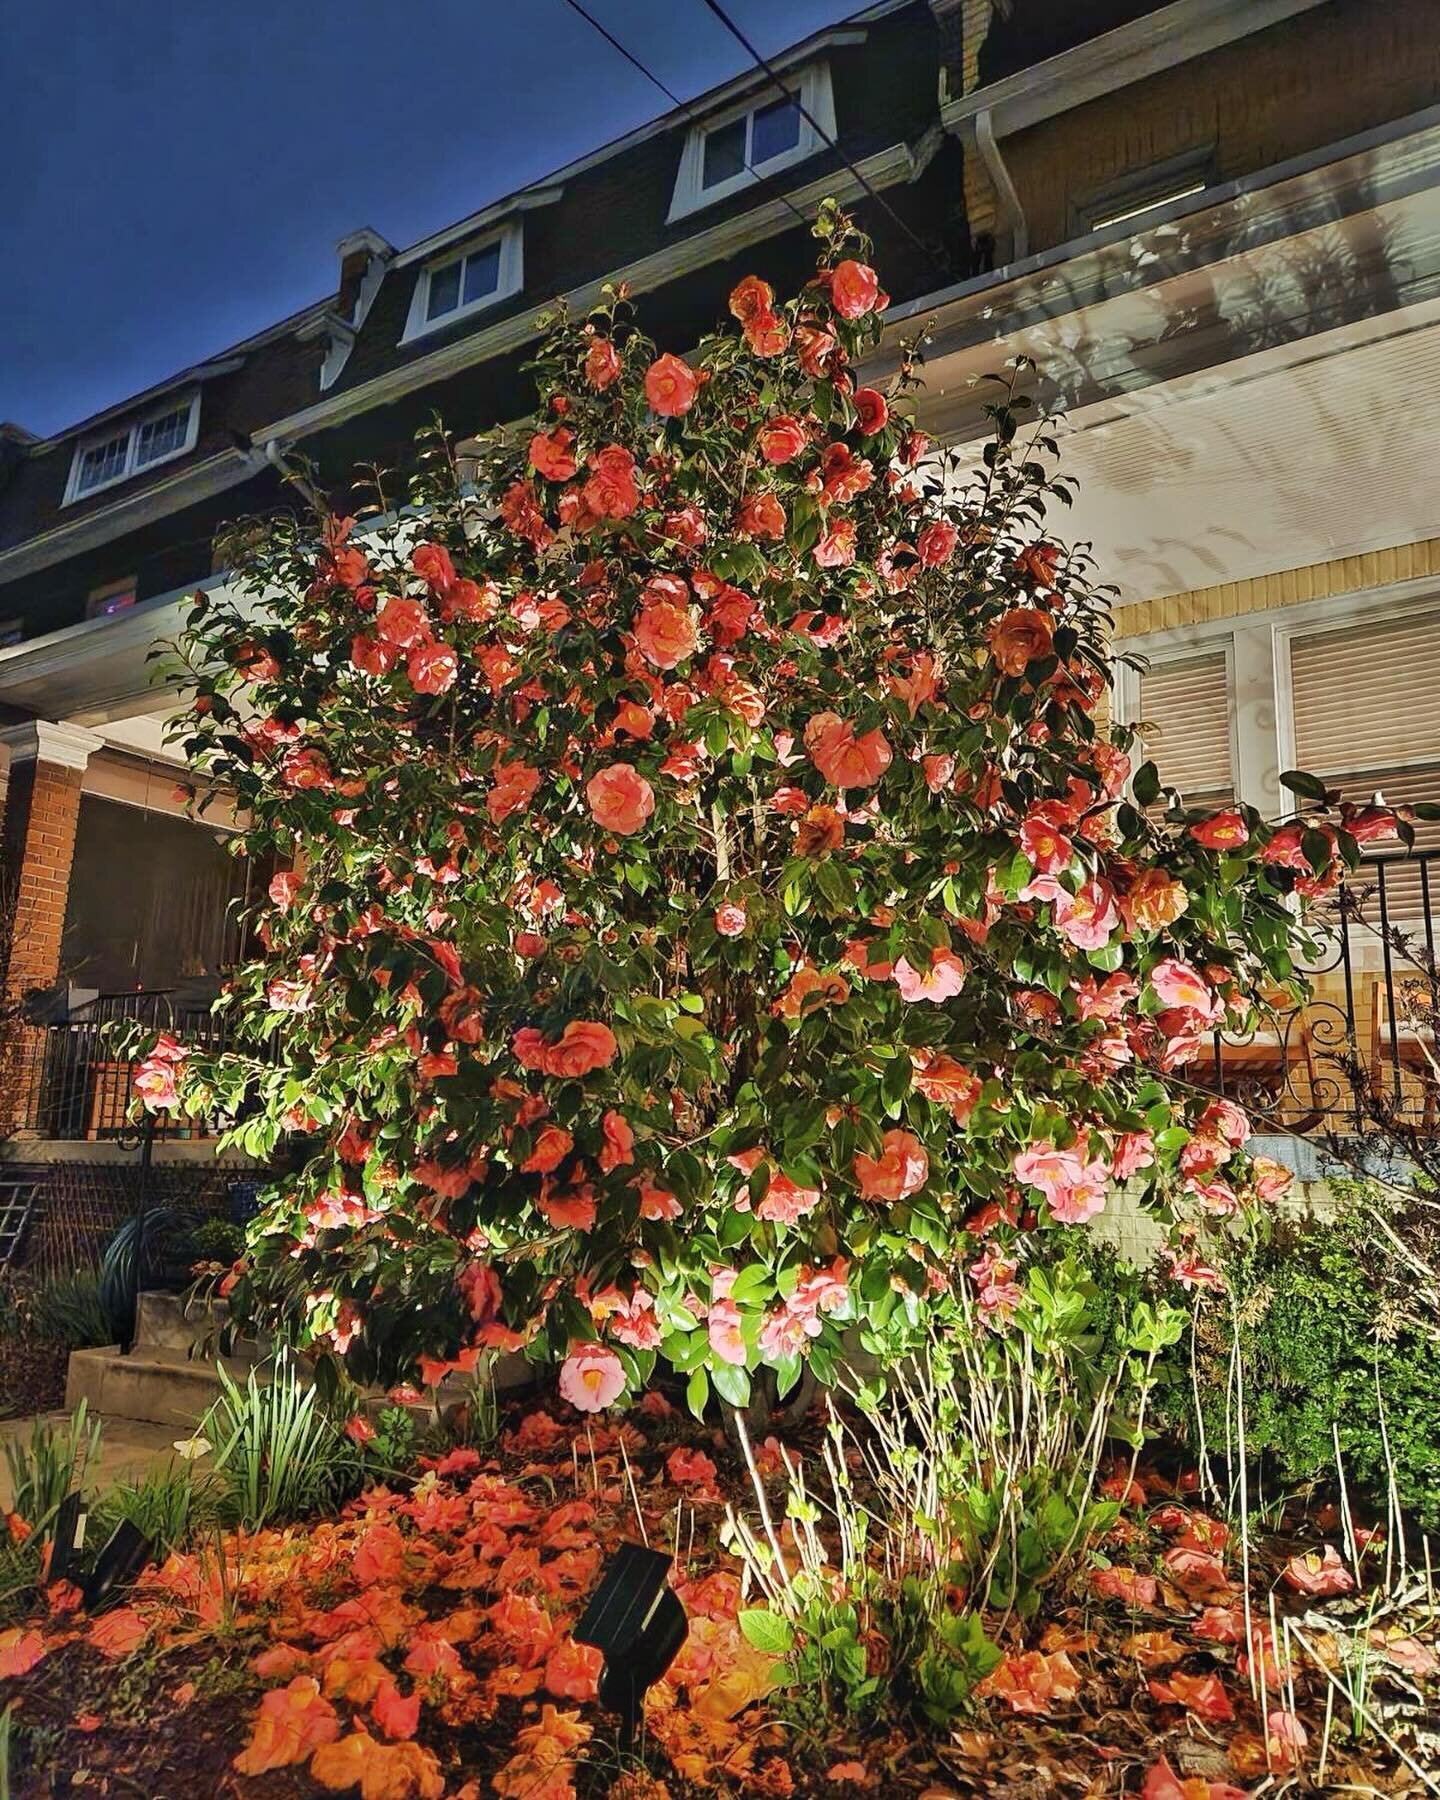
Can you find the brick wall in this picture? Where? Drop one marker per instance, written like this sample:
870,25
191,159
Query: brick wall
1307,82
37,845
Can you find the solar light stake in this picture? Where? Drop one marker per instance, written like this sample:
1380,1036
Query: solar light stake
638,1625
67,1537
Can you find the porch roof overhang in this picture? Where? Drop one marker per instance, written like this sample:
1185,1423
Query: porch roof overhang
1246,385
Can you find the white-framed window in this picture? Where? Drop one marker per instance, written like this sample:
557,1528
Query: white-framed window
753,139
131,446
1184,698
466,281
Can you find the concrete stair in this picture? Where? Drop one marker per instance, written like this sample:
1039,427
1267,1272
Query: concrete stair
170,1375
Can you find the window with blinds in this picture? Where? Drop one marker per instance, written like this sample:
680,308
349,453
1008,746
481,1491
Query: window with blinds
1365,706
1186,708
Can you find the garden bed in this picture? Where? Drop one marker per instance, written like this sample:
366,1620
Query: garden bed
418,1644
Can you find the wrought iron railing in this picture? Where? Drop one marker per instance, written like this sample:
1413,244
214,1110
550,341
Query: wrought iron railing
69,1080
1362,1052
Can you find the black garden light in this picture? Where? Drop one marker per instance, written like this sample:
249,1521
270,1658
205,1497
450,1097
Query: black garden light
117,1566
638,1625
67,1538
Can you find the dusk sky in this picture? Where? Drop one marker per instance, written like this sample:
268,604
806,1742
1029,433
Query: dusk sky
177,175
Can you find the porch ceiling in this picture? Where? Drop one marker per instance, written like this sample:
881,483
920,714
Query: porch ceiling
1307,454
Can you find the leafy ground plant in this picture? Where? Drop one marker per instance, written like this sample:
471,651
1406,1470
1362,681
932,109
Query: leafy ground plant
278,1453
51,1463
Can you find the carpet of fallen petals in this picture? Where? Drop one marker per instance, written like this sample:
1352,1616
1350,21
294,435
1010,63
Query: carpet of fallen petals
420,1646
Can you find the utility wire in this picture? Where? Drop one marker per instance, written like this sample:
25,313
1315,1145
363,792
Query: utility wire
925,250
684,106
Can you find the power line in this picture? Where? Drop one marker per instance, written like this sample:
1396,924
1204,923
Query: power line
674,99
820,131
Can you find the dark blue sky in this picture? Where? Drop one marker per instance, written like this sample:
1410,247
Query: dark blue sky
176,174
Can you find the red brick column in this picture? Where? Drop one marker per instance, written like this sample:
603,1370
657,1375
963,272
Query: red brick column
37,847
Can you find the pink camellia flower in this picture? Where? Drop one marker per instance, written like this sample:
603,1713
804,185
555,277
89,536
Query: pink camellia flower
1044,1166
901,1169
666,633
620,798
602,364
941,981
1134,1151
1285,1738
289,996
845,760
722,1327
786,1202
154,1084
936,543
1319,1573
1082,1199
1225,1120
854,289
1224,830
371,656
1272,1179
670,386
836,548
1191,1270
432,668
1043,840
591,1377
730,918
1088,916
284,887
1179,985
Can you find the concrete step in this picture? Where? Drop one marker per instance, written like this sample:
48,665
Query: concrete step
156,1386
175,1322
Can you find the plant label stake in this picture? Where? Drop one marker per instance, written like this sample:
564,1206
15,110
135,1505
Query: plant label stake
638,1625
67,1538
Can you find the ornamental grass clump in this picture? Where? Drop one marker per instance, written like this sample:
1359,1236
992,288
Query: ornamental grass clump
711,912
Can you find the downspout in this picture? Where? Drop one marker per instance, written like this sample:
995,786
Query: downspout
1004,187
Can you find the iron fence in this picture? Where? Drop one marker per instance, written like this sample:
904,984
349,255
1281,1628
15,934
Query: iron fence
1361,1053
69,1079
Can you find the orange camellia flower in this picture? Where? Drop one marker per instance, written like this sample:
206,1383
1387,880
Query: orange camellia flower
855,289
584,1045
670,386
572,1671
19,1651
512,788
552,453
431,562
901,1169
845,760
610,493
1224,830
1153,902
666,633
781,440
1021,636
750,297
552,1146
432,668
871,409
820,831
602,364
293,1722
620,798
1030,1682
761,516
403,623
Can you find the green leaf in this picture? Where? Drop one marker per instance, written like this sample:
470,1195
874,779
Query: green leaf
1146,784
766,1630
1308,787
697,1393
731,1384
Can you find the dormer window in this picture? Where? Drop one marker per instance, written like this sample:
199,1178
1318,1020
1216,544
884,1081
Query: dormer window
755,139
461,283
114,455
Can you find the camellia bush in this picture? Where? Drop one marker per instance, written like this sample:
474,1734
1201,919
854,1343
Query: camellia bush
712,913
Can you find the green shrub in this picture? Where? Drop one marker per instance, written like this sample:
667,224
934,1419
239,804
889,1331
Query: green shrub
279,1456
47,1466
172,1507
216,1241
73,1311
1329,1336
